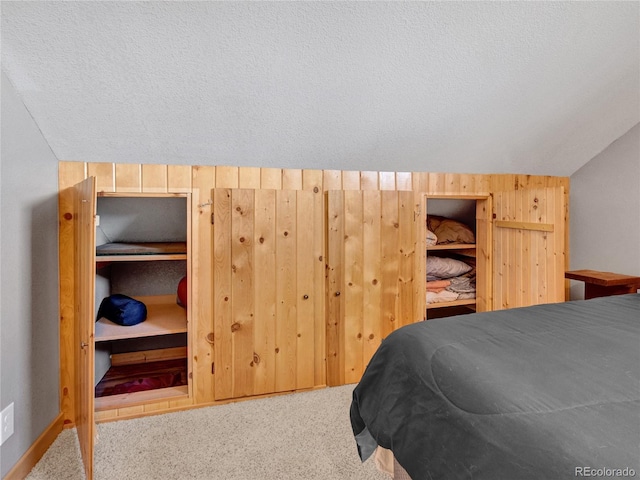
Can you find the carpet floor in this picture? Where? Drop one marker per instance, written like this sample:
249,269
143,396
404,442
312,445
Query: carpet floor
297,436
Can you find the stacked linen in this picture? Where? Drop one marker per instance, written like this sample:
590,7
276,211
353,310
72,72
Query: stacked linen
449,279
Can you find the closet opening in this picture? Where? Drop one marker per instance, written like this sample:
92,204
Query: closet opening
142,252
456,270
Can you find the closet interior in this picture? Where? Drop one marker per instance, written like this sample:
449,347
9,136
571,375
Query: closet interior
142,253
452,266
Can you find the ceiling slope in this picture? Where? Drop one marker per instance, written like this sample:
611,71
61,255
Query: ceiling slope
526,87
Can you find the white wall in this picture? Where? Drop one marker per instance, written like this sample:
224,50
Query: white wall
605,211
29,353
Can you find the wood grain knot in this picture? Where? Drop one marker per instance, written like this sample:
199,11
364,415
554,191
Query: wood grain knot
286,234
320,258
68,216
371,337
241,239
209,338
238,209
396,225
316,189
226,299
277,350
374,281
256,358
235,327
261,240
359,336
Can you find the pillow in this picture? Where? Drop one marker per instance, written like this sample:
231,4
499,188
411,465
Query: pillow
445,267
122,310
450,231
182,293
431,238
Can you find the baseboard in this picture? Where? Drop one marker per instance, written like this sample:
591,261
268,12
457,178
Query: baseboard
21,469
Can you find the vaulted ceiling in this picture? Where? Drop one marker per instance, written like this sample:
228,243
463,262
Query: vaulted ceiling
526,87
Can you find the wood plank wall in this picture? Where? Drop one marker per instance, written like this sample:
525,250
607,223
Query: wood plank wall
199,180
371,250
266,290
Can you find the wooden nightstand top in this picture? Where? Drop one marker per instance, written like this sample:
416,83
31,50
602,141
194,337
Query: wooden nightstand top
606,279
603,284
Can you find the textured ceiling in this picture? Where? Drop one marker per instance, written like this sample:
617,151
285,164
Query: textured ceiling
527,87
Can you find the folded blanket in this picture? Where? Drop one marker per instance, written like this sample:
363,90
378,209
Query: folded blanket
462,284
443,296
438,284
466,296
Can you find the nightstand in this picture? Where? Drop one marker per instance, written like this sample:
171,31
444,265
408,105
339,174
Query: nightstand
603,284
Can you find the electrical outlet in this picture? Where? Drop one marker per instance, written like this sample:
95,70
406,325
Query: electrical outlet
6,423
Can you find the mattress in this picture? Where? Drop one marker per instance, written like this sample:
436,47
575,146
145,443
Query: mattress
547,391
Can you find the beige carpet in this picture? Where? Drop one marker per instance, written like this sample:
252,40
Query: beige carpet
298,436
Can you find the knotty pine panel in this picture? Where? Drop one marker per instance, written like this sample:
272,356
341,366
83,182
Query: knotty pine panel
128,178
265,291
249,177
154,178
69,174
286,280
221,293
242,288
353,285
371,274
201,287
307,349
179,178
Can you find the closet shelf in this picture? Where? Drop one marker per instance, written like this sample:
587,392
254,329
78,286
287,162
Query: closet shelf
455,303
452,246
164,317
141,398
464,249
144,251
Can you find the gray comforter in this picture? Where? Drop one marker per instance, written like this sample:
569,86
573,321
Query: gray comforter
543,392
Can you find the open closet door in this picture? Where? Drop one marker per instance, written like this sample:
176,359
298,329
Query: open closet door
268,279
371,275
528,247
85,249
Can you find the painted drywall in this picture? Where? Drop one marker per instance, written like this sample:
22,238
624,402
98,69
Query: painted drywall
29,352
469,87
605,211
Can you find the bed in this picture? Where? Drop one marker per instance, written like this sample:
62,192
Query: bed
542,392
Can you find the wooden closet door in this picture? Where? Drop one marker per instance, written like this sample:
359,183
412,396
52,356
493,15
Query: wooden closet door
265,290
371,265
85,249
528,247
